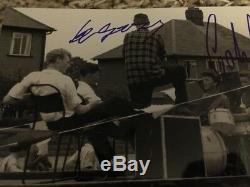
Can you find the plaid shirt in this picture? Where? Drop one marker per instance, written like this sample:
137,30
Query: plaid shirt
144,54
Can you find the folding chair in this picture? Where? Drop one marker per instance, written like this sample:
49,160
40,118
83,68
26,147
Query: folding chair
48,104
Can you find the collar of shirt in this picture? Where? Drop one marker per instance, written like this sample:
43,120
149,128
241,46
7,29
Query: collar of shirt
51,70
142,30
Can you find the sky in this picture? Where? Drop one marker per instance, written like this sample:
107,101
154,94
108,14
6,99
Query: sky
68,22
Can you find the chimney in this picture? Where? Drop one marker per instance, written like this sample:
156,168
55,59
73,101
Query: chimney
194,15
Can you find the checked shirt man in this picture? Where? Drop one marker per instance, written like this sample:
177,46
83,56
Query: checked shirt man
144,54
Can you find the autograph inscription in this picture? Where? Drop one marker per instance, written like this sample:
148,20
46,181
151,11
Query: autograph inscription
230,57
85,33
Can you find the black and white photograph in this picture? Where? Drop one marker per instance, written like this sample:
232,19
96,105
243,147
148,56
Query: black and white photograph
128,97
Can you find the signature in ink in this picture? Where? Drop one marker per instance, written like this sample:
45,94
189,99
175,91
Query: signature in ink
85,33
229,56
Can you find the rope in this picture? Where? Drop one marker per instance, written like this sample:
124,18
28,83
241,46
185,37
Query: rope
9,145
17,126
134,115
130,116
100,123
213,95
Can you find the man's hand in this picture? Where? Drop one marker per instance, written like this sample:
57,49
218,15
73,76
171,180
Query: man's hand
81,109
242,117
95,103
220,102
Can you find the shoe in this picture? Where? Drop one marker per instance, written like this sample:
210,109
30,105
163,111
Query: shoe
10,164
88,158
38,162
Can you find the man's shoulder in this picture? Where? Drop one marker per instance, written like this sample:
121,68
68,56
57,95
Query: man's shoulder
55,73
145,33
67,78
155,35
33,74
83,85
128,34
135,32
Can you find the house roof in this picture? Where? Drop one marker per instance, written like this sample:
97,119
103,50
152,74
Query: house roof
184,38
14,18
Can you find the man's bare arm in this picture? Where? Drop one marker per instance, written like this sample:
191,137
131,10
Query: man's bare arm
12,101
241,117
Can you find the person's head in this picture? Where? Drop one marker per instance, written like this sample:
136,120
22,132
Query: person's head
73,71
81,70
244,78
90,73
141,20
210,81
58,59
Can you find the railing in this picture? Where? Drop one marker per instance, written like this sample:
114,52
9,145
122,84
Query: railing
14,115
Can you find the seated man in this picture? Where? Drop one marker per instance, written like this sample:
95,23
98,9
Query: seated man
210,99
210,85
80,72
245,99
56,64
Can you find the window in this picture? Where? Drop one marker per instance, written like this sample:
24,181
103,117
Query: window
192,69
20,44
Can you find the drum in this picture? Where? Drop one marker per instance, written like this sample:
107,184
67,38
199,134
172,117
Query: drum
214,151
221,120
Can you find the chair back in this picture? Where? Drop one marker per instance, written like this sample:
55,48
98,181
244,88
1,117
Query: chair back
48,103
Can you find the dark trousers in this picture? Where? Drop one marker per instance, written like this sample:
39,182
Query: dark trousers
141,93
115,107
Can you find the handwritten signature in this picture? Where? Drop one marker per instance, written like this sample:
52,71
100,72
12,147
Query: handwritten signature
85,33
229,56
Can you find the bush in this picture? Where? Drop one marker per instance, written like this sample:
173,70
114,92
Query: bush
5,85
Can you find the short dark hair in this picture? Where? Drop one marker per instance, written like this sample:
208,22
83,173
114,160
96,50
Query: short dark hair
77,63
211,74
80,67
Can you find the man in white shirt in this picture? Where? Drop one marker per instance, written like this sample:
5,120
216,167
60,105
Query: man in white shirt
95,143
57,61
